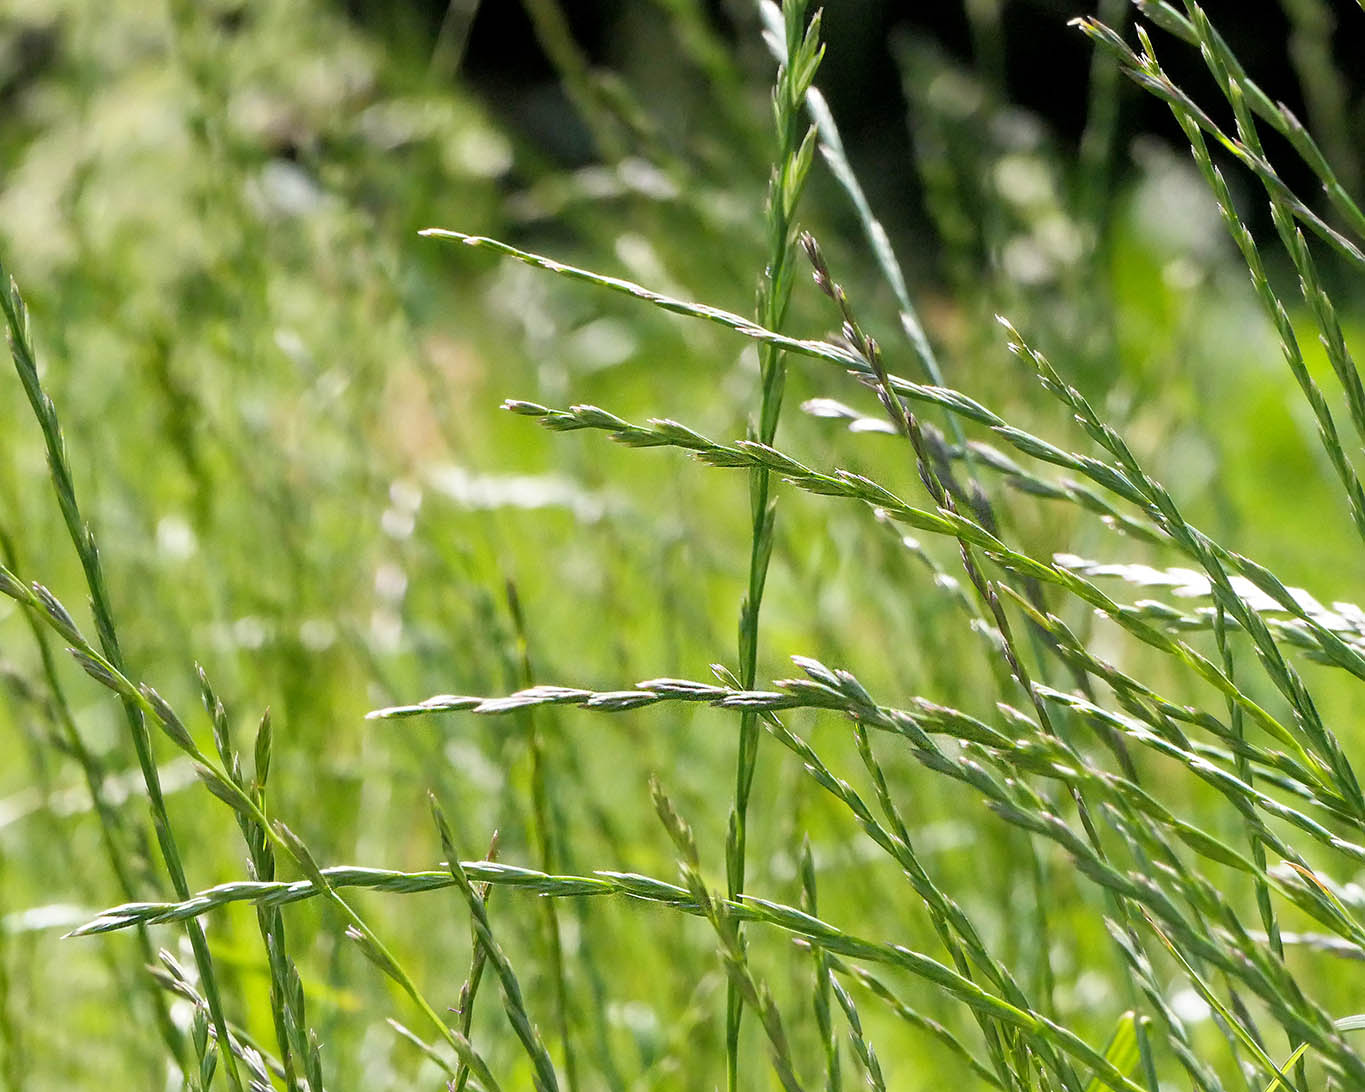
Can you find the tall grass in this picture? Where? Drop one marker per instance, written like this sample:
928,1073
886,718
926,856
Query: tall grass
1011,820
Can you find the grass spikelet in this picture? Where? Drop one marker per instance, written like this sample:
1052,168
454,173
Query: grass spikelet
1057,793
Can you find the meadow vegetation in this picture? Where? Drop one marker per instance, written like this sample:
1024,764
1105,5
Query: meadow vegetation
475,622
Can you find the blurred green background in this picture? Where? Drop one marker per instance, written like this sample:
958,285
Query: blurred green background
281,406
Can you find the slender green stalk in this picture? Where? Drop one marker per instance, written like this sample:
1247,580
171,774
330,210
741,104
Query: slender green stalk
1152,79
545,836
515,1007
803,54
220,782
955,930
820,994
835,156
732,947
114,838
882,992
948,918
1244,772
469,990
1178,1038
1218,59
1249,1041
83,538
1327,430
1164,507
749,909
1194,544
907,424
300,1054
861,1047
746,454
260,1067
1277,114
431,1053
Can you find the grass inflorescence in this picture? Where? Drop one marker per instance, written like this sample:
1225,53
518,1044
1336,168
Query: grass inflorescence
1060,796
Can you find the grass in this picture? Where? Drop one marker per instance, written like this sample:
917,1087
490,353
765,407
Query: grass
1059,794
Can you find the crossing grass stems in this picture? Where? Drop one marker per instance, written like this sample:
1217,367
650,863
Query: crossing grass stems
1273,763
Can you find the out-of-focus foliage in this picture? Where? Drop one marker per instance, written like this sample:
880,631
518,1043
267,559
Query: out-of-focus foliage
281,411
